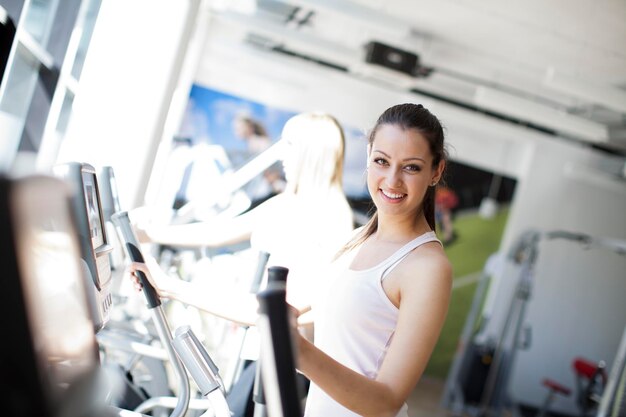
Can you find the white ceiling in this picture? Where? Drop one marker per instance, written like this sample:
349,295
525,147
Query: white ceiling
558,65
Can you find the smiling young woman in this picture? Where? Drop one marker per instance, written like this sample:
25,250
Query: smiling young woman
400,170
384,299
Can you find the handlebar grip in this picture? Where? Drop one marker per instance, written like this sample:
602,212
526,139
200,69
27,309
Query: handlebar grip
122,221
135,255
277,274
277,353
276,281
197,360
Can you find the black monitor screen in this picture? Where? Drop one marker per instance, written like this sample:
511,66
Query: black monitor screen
93,209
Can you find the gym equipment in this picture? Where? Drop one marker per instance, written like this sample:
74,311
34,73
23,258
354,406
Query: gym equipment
51,343
94,242
49,361
223,198
95,250
189,349
613,401
202,368
109,193
238,367
471,358
590,381
277,353
93,202
109,197
127,341
494,394
525,252
554,389
276,275
122,221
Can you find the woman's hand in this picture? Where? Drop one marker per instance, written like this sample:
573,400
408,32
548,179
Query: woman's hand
298,339
162,283
133,270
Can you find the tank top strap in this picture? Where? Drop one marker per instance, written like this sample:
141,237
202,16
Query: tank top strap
391,262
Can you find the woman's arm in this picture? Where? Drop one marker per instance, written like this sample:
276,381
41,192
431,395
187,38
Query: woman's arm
364,396
220,232
232,305
424,303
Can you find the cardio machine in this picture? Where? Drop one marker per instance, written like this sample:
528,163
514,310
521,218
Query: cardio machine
131,342
49,362
185,351
89,216
93,239
194,355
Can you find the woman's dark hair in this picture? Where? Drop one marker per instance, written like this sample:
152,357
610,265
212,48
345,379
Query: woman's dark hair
409,116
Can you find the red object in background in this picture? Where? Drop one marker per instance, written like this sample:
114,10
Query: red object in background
446,198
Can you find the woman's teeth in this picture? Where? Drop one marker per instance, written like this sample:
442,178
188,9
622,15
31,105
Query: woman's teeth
392,195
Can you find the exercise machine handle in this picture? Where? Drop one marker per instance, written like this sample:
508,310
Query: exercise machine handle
277,353
277,274
122,221
197,360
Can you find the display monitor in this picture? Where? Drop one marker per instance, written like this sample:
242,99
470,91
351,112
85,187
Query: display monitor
96,229
48,356
94,245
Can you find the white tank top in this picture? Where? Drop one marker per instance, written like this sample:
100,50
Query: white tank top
355,322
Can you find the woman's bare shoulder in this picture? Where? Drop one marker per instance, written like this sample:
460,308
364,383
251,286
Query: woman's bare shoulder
429,262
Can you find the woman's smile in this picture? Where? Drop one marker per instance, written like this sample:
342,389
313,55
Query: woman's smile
392,196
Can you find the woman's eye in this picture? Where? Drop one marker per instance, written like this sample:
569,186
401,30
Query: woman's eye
380,161
413,168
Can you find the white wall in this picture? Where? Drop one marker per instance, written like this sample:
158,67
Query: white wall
126,88
577,304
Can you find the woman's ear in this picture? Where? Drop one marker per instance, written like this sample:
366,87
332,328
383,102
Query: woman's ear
439,171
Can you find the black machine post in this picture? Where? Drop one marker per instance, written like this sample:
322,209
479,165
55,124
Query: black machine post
277,351
276,276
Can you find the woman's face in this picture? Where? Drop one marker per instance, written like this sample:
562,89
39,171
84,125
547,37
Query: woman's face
242,128
399,170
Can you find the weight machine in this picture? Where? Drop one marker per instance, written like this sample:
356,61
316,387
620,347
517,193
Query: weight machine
488,394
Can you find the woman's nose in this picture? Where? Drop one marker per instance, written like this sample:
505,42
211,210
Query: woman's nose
394,177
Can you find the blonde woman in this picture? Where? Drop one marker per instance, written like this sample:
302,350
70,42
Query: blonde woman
301,228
